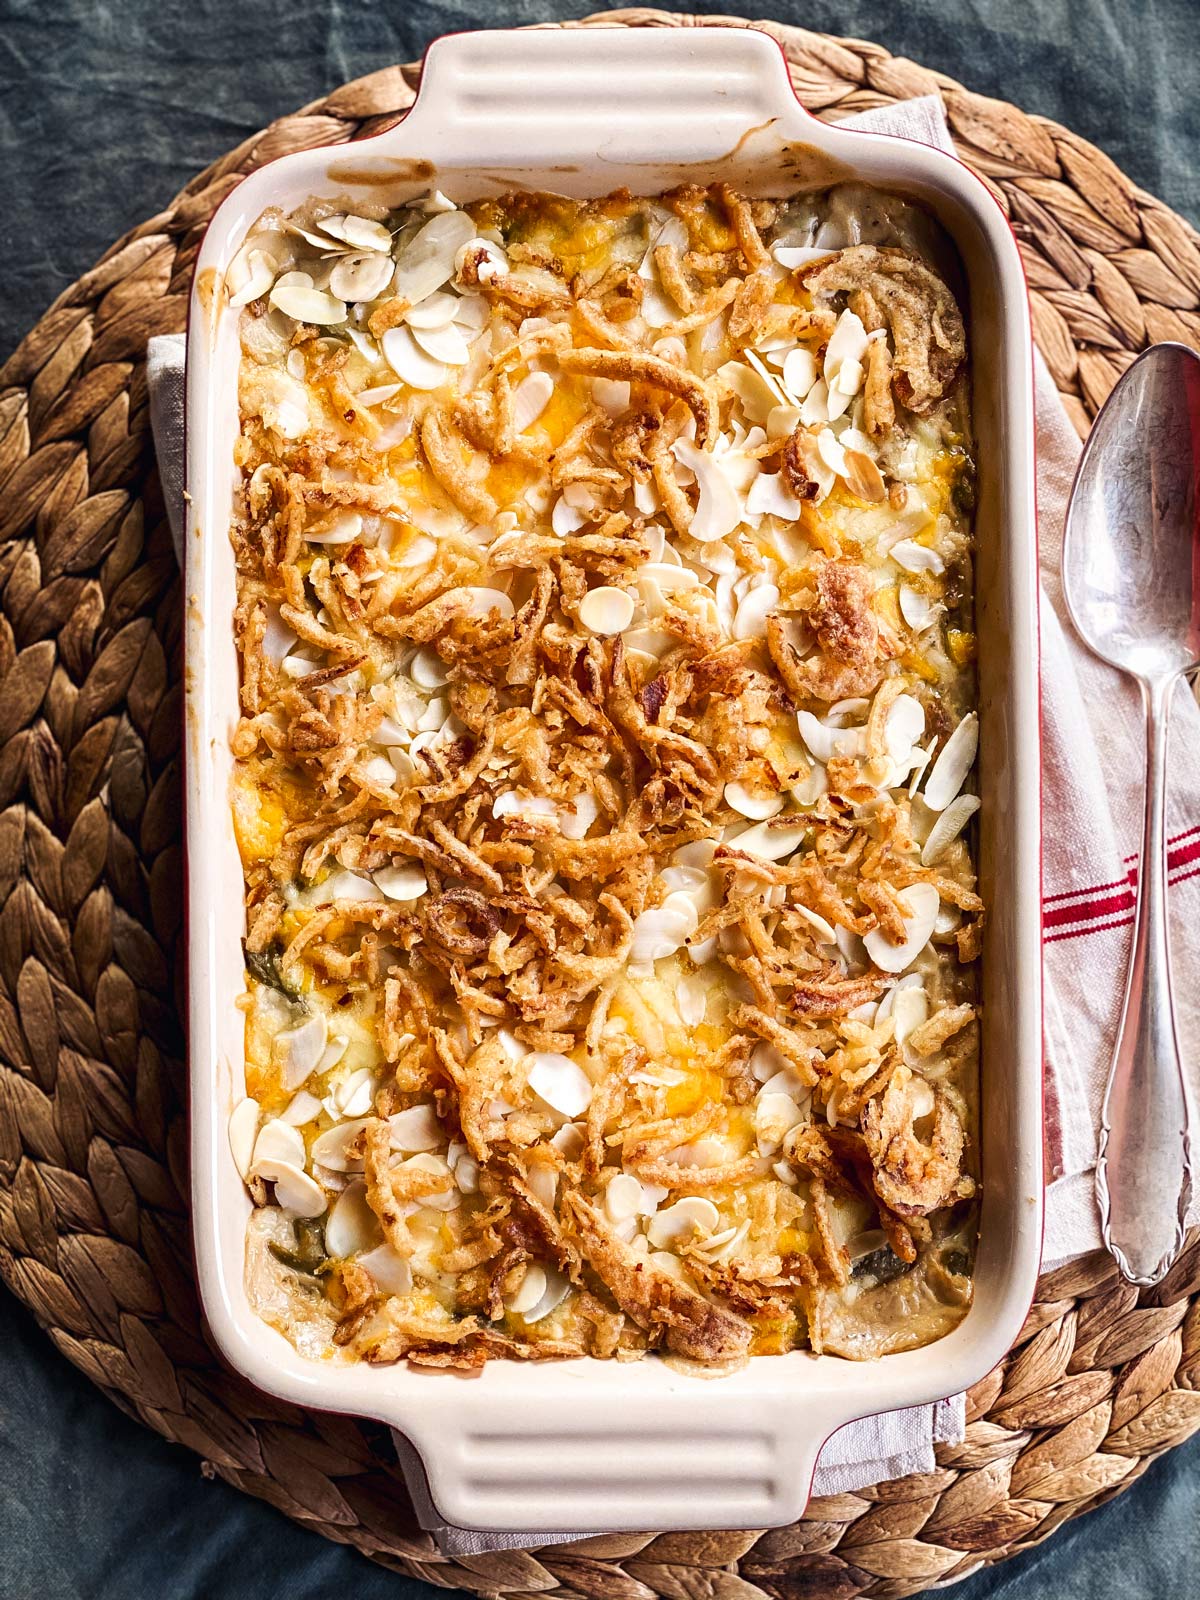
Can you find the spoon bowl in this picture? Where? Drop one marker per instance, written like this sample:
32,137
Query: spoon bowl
1131,553
1131,574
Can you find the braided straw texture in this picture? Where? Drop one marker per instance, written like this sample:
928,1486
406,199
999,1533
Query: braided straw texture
93,1216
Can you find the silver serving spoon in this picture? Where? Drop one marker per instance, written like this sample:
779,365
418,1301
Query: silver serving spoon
1131,573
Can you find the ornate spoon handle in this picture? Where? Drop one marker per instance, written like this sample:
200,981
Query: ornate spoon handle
1144,1171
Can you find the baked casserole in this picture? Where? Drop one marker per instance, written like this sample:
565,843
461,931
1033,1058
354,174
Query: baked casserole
607,707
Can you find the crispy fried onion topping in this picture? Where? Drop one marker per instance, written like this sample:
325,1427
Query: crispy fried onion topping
689,1324
547,891
921,314
913,1177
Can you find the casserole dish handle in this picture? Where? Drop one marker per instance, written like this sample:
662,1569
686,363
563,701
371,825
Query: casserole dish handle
602,1463
688,95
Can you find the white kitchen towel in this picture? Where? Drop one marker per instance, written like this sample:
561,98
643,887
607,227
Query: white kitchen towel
1091,788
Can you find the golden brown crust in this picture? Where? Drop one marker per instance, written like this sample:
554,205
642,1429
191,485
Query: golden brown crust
483,833
689,1324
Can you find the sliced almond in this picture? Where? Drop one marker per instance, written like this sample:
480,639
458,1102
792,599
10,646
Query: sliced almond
917,609
435,312
658,933
719,508
447,1197
445,344
669,576
278,1141
576,818
836,403
770,844
528,1292
295,1191
903,727
815,409
611,394
799,374
427,260
566,518
466,1174
411,363
386,1267
758,807
681,904
360,232
243,1129
949,825
511,804
417,1128
485,601
334,1051
560,1082
278,638
831,452
824,742
543,1183
352,1225
887,1005
530,398
775,1115
332,1148
343,887
297,1051
301,1109
570,1141
825,931
678,1223
920,902
914,557
556,1290
406,881
691,999
863,477
427,669
952,765
792,256
847,342
910,1008
471,311
361,277
757,393
377,395
307,305
344,528
254,272
750,618
606,610
770,496
782,421
683,876
622,1197
355,1095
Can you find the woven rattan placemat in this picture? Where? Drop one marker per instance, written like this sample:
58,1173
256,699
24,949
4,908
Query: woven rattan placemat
93,1220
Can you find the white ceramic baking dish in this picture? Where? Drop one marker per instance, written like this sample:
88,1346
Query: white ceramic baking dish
590,1444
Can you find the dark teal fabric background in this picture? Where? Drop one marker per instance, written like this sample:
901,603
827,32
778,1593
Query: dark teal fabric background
108,108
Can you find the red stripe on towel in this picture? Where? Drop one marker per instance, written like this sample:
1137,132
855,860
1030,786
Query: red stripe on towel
1089,910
